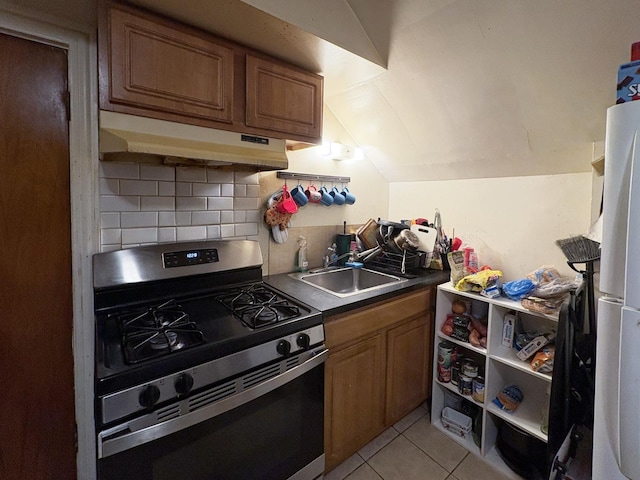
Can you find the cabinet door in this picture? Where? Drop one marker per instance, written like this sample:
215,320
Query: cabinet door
166,70
354,398
283,99
408,355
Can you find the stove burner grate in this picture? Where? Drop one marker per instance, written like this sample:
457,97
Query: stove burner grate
157,331
257,306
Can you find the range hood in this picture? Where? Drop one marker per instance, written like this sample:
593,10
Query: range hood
126,137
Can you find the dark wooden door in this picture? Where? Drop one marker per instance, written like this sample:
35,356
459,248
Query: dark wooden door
37,421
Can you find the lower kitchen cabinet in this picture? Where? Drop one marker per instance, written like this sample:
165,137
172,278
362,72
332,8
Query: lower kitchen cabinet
377,371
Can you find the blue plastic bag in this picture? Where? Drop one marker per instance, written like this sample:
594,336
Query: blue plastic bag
518,289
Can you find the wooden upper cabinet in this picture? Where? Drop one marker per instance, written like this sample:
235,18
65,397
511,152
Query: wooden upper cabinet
153,66
283,98
156,67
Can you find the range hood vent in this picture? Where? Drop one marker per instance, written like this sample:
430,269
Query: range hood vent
131,138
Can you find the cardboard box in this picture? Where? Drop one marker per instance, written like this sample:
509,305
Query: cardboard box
628,82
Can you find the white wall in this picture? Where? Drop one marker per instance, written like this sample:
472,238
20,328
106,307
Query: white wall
367,183
512,223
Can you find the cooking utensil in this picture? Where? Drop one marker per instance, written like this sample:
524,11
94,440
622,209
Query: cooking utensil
426,237
367,234
406,240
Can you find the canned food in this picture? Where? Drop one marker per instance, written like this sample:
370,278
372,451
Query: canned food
465,385
470,368
478,389
455,372
444,361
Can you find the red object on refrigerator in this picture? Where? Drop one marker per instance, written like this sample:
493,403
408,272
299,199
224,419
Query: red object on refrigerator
635,51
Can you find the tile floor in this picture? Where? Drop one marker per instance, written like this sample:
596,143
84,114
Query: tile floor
413,449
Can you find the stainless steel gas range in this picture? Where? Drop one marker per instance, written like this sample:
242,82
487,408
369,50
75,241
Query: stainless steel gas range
202,370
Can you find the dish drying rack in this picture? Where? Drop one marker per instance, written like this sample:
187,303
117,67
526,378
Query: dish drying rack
390,262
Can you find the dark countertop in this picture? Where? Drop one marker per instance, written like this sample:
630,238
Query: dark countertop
330,304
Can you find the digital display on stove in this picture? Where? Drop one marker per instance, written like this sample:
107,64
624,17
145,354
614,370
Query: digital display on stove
190,257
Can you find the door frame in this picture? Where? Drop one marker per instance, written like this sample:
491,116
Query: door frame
80,44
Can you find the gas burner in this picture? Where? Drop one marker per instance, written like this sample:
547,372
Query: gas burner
157,331
257,306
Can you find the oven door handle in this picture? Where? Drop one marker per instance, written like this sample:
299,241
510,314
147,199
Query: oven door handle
125,436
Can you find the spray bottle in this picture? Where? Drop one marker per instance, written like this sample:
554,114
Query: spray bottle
303,263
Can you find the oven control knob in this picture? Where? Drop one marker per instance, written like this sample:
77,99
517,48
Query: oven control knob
303,341
183,384
283,347
149,396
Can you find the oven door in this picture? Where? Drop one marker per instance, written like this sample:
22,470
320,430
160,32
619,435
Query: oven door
273,430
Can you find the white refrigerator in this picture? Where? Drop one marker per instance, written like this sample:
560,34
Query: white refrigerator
616,434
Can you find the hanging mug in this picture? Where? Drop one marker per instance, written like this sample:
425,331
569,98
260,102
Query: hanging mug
326,198
299,196
338,198
287,205
313,194
349,198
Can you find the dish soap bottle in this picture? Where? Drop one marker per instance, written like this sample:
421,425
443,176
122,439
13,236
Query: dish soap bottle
303,263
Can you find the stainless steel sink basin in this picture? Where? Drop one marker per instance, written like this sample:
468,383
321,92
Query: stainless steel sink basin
347,281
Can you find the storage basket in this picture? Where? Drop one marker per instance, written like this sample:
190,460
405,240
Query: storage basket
456,422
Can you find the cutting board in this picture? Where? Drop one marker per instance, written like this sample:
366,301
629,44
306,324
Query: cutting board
426,236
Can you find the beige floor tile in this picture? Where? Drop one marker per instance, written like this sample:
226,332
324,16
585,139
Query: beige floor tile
474,468
364,472
410,418
345,468
375,445
435,444
402,460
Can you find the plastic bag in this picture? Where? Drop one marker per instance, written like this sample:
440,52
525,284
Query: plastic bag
518,289
544,274
479,281
547,306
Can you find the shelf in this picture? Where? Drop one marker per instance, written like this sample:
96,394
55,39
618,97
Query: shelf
527,417
501,368
501,302
454,388
313,177
512,360
467,345
466,442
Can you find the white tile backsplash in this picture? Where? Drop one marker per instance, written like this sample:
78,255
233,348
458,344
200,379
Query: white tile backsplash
186,174
157,204
139,235
206,189
149,204
191,203
220,203
219,176
119,170
157,172
138,219
138,187
226,190
166,189
191,233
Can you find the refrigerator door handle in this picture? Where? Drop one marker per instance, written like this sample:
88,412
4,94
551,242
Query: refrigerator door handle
629,394
632,267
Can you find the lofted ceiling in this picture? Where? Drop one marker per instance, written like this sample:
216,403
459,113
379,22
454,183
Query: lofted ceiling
438,89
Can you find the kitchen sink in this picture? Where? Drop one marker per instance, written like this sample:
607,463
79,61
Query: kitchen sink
348,281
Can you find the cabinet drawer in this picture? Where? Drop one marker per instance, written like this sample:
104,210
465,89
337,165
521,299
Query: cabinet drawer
366,320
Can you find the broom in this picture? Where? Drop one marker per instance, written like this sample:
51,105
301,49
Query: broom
580,249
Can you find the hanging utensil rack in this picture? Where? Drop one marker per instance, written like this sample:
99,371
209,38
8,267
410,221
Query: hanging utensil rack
313,177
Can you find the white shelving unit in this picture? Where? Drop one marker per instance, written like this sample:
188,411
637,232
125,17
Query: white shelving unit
500,367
